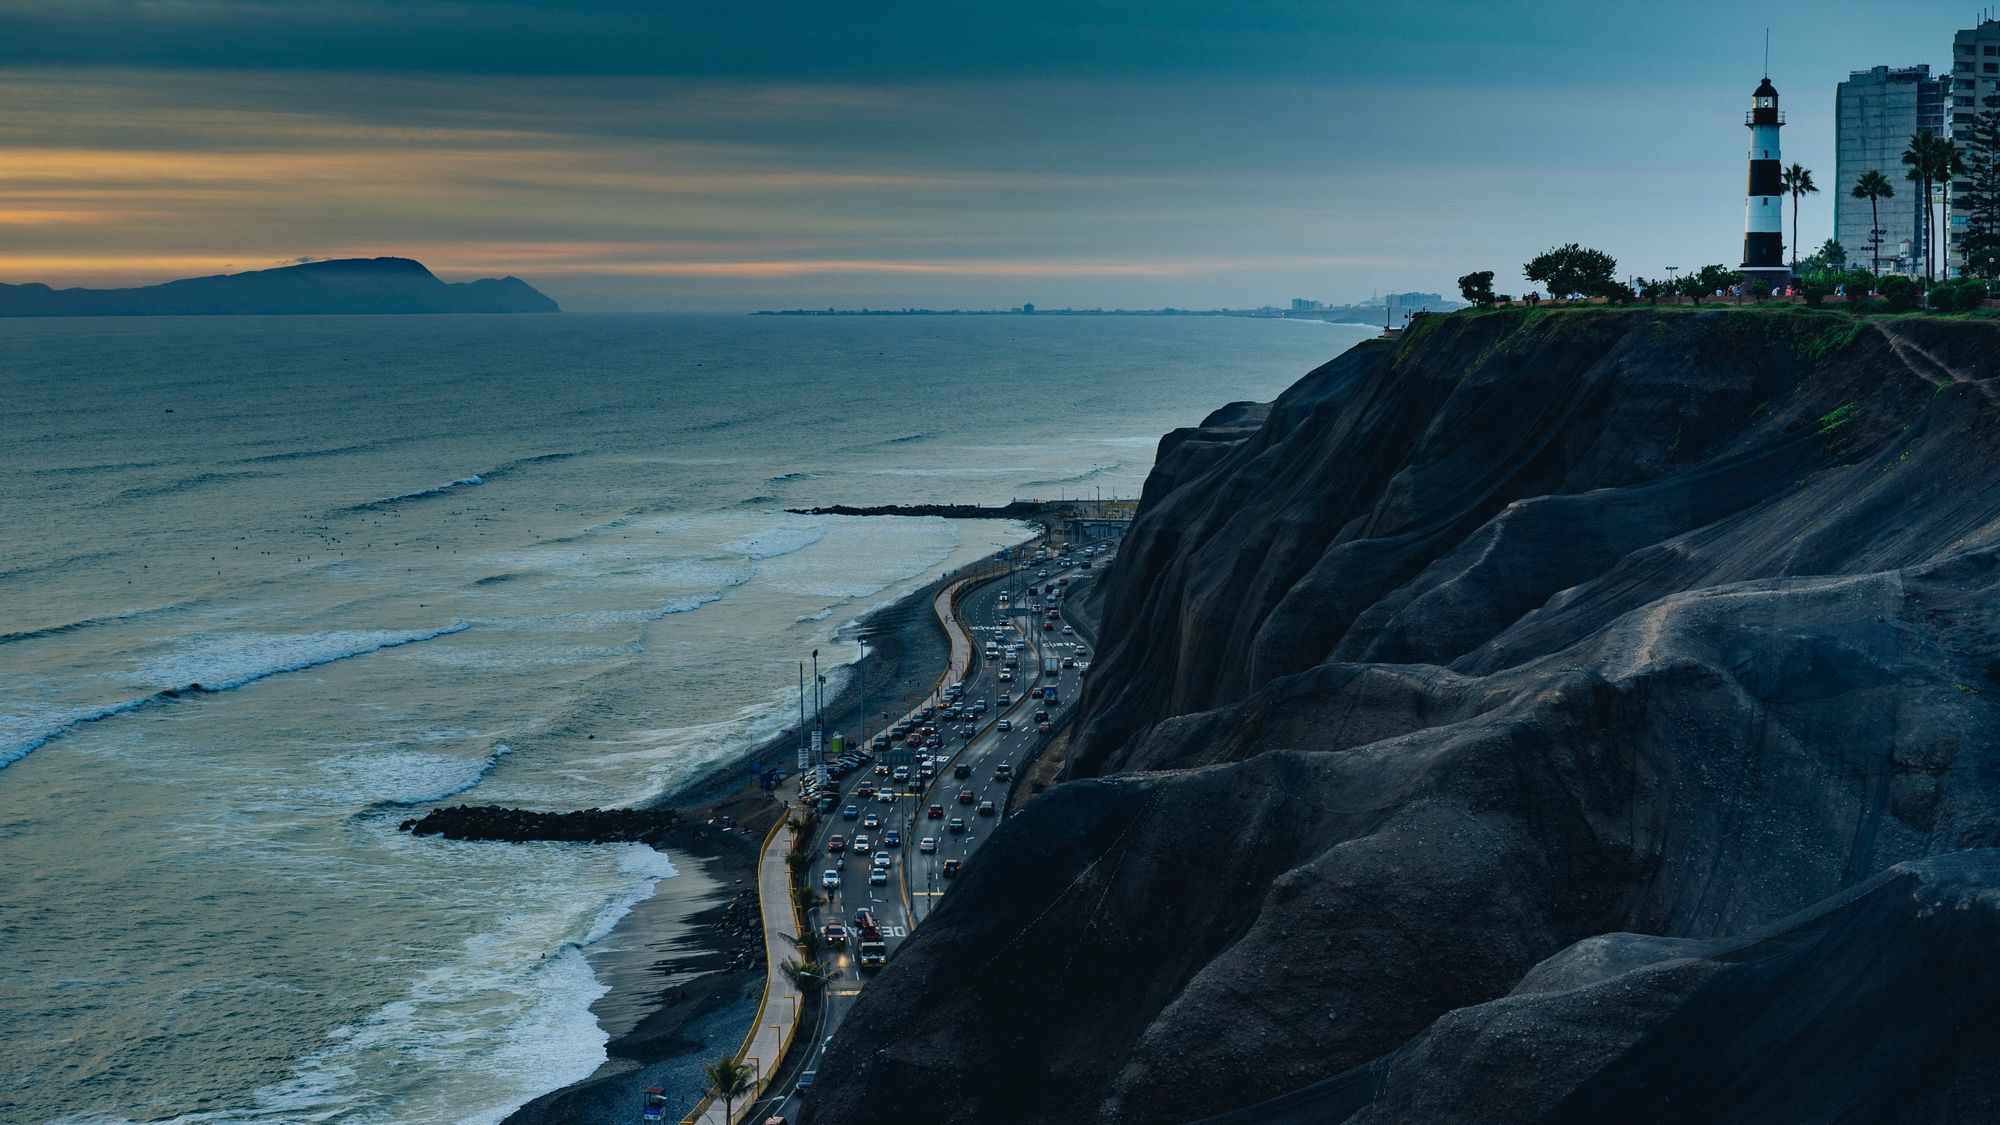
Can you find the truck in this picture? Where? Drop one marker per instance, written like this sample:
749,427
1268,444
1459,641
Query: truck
1051,665
873,950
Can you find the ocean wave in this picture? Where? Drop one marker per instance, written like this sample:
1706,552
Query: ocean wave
450,789
792,477
776,542
233,672
757,502
905,439
309,454
185,484
107,467
684,605
1077,478
822,615
29,570
472,481
80,625
496,579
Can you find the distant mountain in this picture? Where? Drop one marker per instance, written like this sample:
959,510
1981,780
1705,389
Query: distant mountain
344,285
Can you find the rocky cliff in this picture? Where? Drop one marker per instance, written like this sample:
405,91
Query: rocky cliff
1558,716
342,285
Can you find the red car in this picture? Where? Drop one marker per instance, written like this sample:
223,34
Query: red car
864,790
936,812
836,843
835,935
1048,626
965,796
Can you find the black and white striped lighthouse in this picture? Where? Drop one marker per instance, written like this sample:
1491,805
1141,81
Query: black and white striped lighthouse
1764,209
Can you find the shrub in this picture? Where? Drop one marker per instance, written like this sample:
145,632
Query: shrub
1900,292
1477,288
1815,291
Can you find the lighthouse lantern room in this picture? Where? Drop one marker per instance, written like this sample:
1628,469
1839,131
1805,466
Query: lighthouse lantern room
1764,209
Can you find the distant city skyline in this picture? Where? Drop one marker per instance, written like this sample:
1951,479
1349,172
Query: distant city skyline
622,157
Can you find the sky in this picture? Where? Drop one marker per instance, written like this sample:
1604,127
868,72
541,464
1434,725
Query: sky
671,155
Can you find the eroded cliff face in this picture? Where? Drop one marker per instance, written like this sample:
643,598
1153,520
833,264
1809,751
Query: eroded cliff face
1629,644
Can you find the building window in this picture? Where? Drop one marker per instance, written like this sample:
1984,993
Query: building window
1992,68
1992,49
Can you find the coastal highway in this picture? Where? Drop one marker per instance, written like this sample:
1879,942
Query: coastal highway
917,880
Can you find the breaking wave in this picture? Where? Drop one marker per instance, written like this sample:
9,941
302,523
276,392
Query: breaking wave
40,730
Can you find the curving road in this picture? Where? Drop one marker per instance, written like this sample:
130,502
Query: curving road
916,879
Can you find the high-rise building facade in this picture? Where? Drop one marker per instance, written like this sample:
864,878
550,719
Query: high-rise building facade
1975,76
1876,112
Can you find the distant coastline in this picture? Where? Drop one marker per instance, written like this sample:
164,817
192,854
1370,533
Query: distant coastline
1344,314
337,286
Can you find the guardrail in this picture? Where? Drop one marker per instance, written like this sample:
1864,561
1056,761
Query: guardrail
764,1077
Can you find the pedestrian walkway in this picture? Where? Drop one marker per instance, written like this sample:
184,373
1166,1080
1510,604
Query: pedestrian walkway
778,1014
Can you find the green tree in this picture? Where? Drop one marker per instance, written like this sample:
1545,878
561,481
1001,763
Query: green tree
1932,160
1874,187
1831,254
1572,269
808,977
729,1079
1707,280
1477,288
1981,199
1798,181
1900,292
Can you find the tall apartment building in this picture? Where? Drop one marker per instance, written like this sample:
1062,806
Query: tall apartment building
1876,112
1975,76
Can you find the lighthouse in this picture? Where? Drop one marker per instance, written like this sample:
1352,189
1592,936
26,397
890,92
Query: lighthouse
1764,208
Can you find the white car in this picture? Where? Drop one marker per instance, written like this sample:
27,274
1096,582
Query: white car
878,877
830,880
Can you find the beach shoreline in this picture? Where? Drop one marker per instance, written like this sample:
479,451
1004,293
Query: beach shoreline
680,990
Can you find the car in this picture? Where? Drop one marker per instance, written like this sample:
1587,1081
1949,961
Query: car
950,868
956,827
1069,662
979,707
900,774
886,796
830,879
1004,726
962,770
1063,581
936,812
1006,675
1068,632
965,796
1003,772
851,812
871,821
1005,699
1035,694
1041,574
913,739
928,771
892,839
878,877
927,845
879,743
1045,728
986,808
834,934
968,730
881,769
836,843
882,859
861,845
1041,716
1049,626
865,789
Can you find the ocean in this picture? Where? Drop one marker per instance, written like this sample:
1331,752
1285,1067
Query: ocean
270,586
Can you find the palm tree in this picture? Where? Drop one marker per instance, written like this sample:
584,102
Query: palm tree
1873,186
729,1079
1798,181
807,976
1931,160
